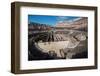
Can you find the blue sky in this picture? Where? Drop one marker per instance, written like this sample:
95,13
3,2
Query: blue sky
47,19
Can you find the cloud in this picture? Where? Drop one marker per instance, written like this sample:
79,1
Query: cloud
60,18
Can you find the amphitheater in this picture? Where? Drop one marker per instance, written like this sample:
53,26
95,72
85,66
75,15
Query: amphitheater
58,42
61,43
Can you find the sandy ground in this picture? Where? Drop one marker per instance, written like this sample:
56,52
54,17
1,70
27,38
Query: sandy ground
53,46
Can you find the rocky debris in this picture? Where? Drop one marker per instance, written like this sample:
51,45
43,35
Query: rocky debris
72,42
81,37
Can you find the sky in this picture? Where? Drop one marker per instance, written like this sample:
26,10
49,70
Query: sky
50,20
